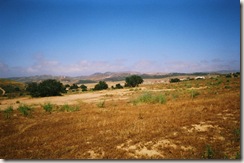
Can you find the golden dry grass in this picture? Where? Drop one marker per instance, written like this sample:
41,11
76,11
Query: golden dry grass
179,129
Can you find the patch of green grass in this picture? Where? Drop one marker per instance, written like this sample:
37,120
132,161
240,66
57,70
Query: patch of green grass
208,153
48,107
8,112
188,85
227,87
25,110
148,97
175,95
194,93
238,155
237,134
69,108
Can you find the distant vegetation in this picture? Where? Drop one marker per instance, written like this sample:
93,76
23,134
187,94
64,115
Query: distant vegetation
133,81
83,88
101,85
174,80
74,86
118,86
46,88
12,88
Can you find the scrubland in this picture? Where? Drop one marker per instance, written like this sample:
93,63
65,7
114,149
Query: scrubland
196,119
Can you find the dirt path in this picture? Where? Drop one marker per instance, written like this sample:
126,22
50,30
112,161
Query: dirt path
67,99
2,91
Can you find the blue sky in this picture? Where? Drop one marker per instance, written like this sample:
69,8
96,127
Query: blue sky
81,37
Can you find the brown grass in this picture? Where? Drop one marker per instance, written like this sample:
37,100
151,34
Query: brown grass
179,129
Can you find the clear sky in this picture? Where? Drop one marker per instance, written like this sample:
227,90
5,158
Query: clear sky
81,37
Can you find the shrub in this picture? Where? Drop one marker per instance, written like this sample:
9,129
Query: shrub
83,88
174,80
133,81
8,112
74,86
118,86
228,76
101,85
67,86
48,107
25,110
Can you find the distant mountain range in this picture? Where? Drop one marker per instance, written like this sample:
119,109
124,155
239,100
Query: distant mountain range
110,76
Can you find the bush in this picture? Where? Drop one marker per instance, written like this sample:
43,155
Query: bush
48,107
133,81
228,76
118,86
174,80
74,86
8,112
83,88
25,110
46,88
101,85
67,86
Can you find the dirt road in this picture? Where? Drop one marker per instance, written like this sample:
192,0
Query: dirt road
68,99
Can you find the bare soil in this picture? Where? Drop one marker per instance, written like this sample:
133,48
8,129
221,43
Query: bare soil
203,126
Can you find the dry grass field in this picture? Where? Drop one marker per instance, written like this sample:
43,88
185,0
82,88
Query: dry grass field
196,119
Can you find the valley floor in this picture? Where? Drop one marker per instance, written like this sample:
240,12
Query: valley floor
197,119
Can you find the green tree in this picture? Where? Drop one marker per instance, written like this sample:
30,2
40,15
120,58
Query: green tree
33,89
51,87
174,80
74,86
101,85
118,86
133,81
67,86
46,88
83,87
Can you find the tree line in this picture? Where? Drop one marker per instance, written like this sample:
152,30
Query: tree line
52,87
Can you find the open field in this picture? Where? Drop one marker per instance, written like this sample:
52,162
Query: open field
196,119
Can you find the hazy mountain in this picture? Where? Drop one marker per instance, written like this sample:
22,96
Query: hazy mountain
109,76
